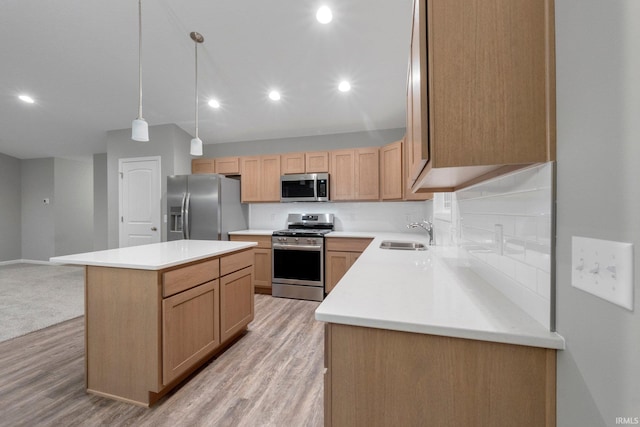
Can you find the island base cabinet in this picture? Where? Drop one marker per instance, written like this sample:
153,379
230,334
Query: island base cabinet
377,377
190,328
122,333
237,307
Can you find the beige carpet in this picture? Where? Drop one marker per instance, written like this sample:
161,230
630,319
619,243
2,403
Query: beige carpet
34,296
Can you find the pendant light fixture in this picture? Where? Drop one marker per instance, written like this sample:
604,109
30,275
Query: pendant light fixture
139,127
196,143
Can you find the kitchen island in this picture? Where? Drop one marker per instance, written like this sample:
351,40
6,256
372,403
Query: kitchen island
155,313
417,338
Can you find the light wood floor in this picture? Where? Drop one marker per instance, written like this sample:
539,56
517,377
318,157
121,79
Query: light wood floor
271,377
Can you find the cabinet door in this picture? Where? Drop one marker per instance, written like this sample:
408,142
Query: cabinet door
391,171
367,174
190,328
317,162
203,166
228,165
236,302
270,166
419,130
262,269
292,163
250,184
337,264
342,170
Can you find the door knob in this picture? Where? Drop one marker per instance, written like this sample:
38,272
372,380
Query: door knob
154,229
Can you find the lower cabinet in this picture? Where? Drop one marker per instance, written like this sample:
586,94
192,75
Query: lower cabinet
261,260
340,254
147,330
190,328
379,377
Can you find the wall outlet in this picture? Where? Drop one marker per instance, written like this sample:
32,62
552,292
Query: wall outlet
603,268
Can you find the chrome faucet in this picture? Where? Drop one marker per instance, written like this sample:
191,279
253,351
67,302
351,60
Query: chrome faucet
427,226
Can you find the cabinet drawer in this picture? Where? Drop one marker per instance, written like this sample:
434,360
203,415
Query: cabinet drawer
263,241
236,261
347,244
184,278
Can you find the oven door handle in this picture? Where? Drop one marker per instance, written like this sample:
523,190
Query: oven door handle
296,247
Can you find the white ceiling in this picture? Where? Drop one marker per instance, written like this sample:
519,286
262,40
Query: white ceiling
79,60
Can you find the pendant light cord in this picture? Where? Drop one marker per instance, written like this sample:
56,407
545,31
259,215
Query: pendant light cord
140,58
196,43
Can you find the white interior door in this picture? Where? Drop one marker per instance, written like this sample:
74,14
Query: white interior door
140,201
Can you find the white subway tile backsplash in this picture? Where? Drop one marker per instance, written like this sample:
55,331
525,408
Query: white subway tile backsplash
522,203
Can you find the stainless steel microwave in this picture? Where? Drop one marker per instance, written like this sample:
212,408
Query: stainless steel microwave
309,187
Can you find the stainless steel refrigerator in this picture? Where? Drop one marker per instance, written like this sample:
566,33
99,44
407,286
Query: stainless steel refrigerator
204,207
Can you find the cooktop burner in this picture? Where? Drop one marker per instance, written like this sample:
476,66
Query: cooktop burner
307,225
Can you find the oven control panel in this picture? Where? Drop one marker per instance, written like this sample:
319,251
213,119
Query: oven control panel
288,240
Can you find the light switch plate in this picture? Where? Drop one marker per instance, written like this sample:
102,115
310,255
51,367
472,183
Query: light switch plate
603,268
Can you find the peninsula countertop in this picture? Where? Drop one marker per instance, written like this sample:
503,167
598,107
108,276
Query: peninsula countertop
430,292
155,256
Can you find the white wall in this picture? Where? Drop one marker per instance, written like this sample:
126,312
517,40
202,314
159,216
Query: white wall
10,208
38,220
598,111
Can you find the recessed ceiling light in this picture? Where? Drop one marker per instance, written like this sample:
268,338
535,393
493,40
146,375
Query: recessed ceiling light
274,95
344,86
214,103
324,15
26,98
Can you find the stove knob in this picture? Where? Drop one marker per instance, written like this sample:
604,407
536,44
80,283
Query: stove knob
296,239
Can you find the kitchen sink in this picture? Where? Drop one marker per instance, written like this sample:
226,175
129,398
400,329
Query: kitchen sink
403,245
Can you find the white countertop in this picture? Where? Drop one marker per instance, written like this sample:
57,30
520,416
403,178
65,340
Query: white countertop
253,232
430,292
155,256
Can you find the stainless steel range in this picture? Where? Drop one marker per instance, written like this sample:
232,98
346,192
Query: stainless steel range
298,257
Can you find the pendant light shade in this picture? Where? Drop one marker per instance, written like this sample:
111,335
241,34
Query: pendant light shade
139,127
196,147
196,143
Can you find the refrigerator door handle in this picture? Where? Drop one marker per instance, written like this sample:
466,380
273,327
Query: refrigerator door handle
187,225
182,216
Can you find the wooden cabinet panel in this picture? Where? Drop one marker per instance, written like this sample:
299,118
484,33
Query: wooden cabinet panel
340,254
190,328
391,171
261,261
260,179
236,309
367,174
343,171
483,100
183,278
270,178
227,165
317,162
383,377
250,181
203,166
292,163
235,261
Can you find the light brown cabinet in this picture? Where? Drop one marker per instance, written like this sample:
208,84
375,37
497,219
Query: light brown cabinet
384,377
355,174
190,328
304,162
261,260
340,254
227,165
203,166
391,179
147,330
260,178
481,101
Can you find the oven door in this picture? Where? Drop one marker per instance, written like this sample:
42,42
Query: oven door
298,264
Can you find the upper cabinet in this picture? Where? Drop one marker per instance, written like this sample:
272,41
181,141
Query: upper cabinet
260,179
354,174
481,90
203,166
228,165
304,162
